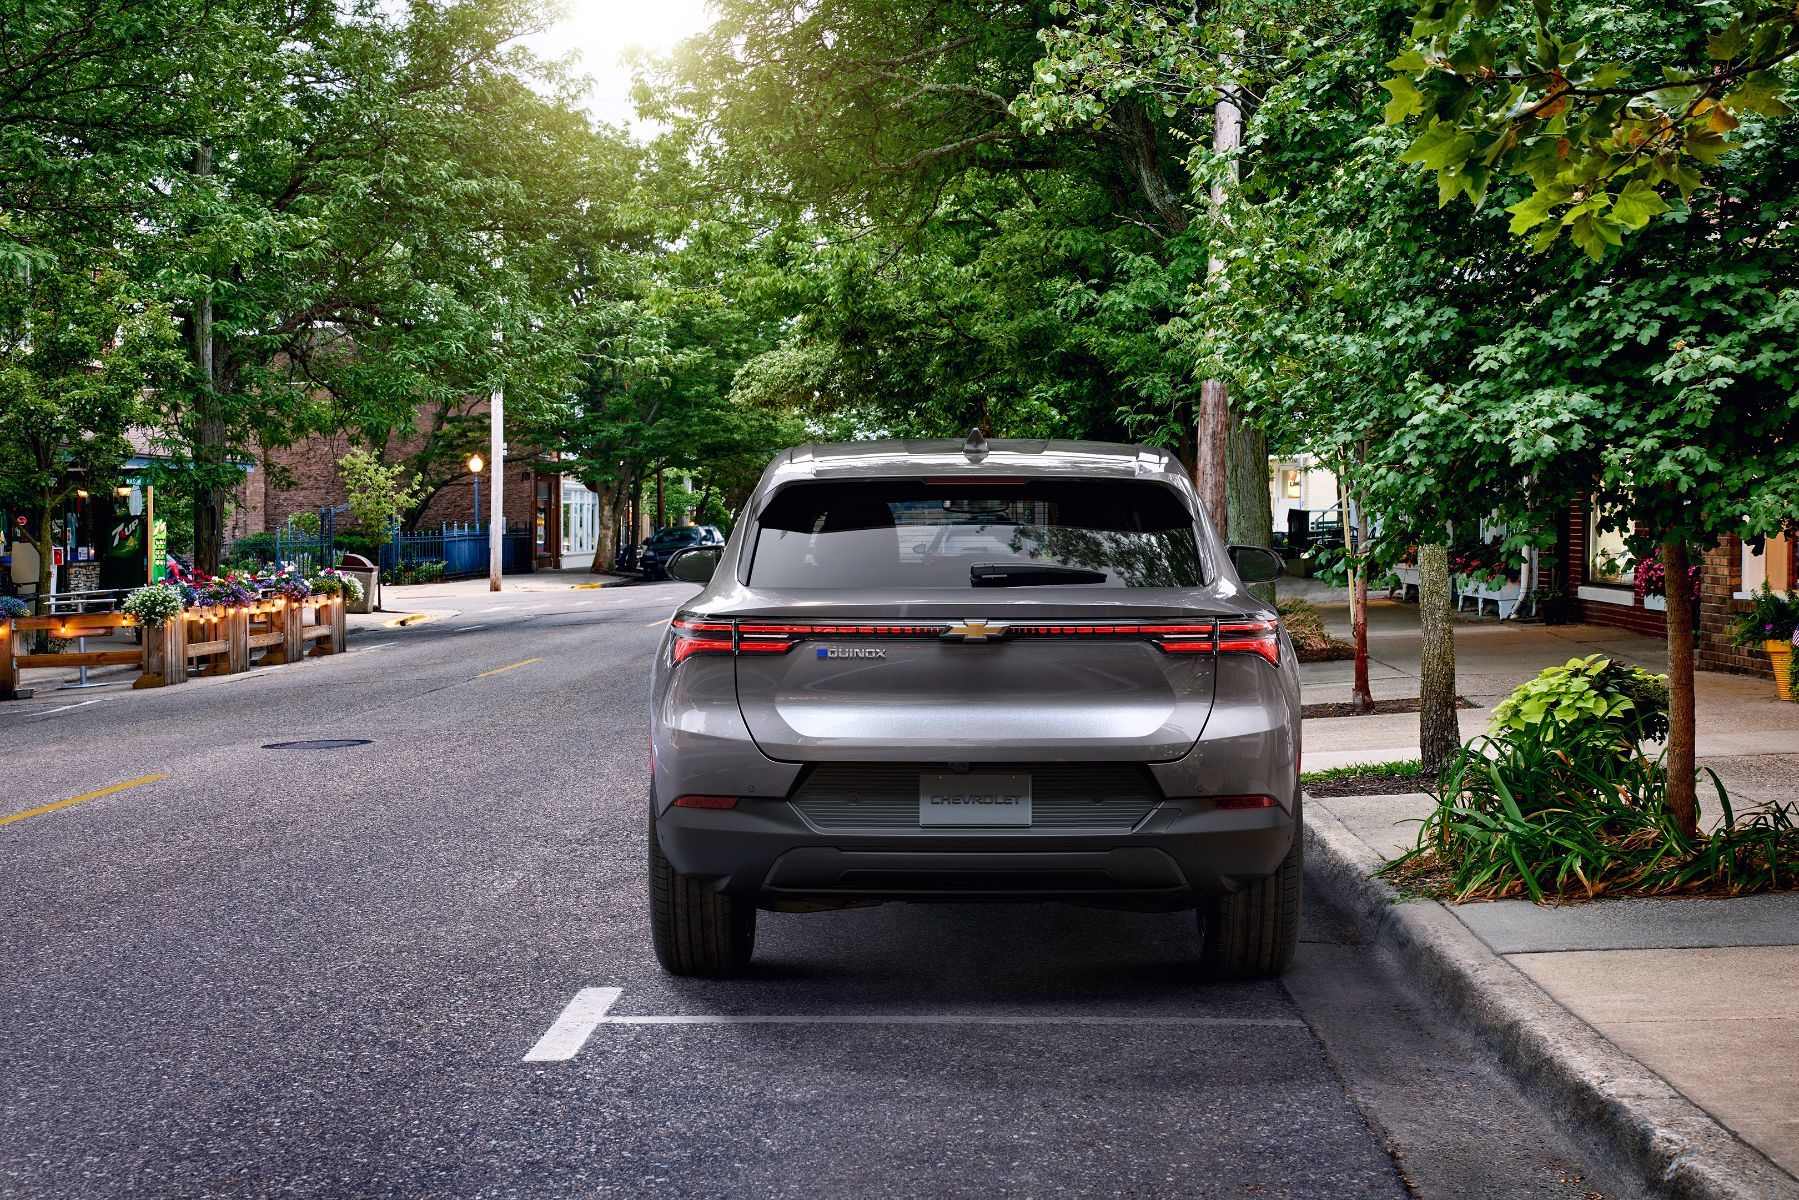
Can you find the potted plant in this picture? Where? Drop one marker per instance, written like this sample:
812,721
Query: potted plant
1771,620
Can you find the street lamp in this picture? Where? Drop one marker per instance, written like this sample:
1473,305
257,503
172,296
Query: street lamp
474,469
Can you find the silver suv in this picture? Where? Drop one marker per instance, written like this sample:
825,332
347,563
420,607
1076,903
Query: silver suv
939,670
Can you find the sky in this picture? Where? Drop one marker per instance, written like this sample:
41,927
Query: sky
600,31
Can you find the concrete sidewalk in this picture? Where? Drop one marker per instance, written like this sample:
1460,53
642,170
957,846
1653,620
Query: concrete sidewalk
1746,734
1699,991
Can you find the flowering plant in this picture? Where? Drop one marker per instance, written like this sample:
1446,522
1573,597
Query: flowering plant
1772,617
287,583
234,591
157,604
1652,576
333,582
1478,565
12,606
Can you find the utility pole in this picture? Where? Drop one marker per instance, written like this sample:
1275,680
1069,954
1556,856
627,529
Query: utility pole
1213,435
496,457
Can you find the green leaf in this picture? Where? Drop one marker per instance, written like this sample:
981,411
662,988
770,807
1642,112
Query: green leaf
1722,47
1407,99
1637,203
1440,146
1534,209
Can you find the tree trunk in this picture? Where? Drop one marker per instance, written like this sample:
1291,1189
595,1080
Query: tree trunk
661,509
209,426
1683,801
1361,695
1248,507
1439,731
1211,452
46,556
605,552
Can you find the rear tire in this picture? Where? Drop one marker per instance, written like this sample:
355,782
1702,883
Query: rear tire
1253,932
694,929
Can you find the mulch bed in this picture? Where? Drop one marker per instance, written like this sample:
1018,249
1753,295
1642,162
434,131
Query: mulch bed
1381,707
1335,652
1367,785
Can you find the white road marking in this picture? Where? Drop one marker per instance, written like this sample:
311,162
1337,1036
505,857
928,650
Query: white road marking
467,628
570,1032
369,649
77,704
591,1009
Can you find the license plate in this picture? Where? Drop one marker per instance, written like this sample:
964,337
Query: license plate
966,800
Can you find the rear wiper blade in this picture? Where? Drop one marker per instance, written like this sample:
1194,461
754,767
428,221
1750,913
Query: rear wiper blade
1027,574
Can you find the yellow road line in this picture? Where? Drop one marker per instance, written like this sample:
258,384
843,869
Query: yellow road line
585,587
497,670
653,624
105,791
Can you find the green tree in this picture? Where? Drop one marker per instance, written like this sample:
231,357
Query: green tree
1609,110
79,348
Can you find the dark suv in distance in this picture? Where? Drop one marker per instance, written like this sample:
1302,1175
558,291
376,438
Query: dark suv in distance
939,670
669,541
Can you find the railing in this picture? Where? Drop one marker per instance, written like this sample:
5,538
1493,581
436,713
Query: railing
462,549
216,640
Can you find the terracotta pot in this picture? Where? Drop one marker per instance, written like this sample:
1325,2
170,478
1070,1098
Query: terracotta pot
1781,655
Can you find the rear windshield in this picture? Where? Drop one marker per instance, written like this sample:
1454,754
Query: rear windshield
916,533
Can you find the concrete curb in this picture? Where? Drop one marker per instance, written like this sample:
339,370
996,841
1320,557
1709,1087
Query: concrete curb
1622,1107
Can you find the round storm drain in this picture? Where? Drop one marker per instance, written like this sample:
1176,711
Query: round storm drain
318,744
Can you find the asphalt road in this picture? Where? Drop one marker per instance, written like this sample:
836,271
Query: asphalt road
319,972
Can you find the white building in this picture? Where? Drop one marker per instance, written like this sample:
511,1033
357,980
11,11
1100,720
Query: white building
580,521
1300,482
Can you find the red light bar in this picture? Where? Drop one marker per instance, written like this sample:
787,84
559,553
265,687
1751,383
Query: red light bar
1175,639
698,637
1235,801
1251,637
705,802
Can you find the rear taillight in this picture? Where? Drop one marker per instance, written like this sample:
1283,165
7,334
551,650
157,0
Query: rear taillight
1176,639
699,637
696,636
705,802
1251,637
1240,801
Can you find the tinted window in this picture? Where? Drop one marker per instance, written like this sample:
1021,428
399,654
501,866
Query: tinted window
929,534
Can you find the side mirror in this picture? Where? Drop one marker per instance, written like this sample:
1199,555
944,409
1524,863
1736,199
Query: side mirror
694,564
1256,564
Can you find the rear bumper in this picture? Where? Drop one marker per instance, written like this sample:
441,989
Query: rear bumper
1183,851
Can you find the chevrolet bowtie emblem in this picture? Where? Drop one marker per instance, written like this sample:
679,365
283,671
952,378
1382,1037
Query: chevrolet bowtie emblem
976,629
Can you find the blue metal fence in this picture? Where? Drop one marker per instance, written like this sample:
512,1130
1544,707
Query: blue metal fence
462,549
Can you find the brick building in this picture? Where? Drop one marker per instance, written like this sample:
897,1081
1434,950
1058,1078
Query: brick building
304,478
1604,581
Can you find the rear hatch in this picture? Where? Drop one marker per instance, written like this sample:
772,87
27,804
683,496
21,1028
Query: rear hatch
977,617
982,682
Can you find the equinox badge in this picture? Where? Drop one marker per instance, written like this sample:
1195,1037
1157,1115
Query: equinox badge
851,652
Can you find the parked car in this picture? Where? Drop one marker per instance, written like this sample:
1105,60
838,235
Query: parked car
665,543
975,671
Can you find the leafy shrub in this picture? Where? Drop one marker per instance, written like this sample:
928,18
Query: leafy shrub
1603,832
1305,626
157,604
1588,702
12,606
1558,802
428,570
